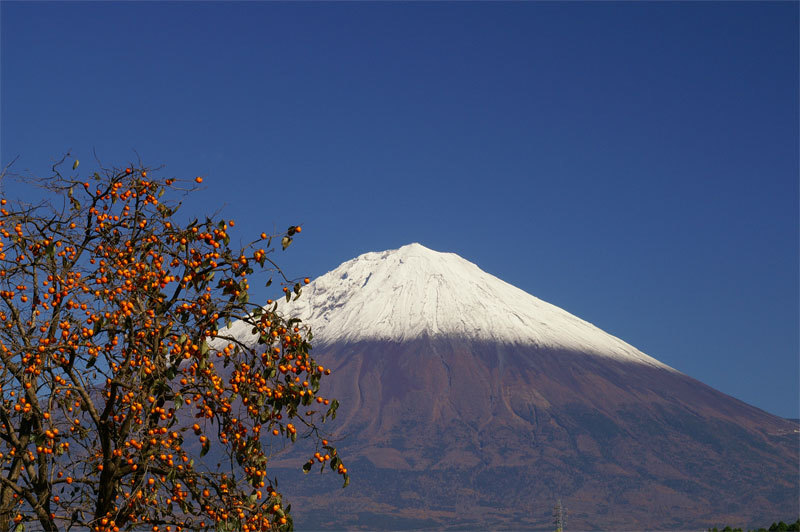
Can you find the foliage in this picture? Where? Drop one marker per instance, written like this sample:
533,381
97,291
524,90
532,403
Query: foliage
775,527
117,376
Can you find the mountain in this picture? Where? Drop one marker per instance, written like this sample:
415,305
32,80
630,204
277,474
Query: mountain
468,403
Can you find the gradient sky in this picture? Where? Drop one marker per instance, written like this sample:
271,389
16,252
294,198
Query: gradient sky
633,163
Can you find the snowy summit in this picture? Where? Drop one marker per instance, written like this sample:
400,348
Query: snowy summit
413,292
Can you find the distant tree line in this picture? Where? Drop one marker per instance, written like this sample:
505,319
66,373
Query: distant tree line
774,527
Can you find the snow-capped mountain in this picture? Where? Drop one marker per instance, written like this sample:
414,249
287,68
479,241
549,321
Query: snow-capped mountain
467,402
414,292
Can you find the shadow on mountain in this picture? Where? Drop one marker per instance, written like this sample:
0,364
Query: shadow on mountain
448,434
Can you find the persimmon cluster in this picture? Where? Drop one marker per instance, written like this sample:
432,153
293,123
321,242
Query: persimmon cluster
121,388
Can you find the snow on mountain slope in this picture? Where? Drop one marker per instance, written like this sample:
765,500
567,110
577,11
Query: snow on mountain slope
412,292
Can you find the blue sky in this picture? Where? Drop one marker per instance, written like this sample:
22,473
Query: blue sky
633,163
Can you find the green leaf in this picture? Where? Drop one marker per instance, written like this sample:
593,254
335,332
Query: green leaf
346,480
307,467
331,410
285,241
75,164
205,448
19,528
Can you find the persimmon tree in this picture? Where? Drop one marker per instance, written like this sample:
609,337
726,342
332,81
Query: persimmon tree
124,402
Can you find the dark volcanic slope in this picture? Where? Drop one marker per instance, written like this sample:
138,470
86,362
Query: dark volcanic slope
441,433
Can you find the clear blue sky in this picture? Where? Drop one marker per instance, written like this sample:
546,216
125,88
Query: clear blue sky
633,163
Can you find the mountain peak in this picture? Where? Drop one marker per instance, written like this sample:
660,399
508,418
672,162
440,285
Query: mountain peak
415,292
415,250
414,247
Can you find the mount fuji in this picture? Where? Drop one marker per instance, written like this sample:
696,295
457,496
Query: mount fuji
468,403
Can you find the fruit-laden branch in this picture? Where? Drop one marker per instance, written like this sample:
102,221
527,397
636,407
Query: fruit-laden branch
116,382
